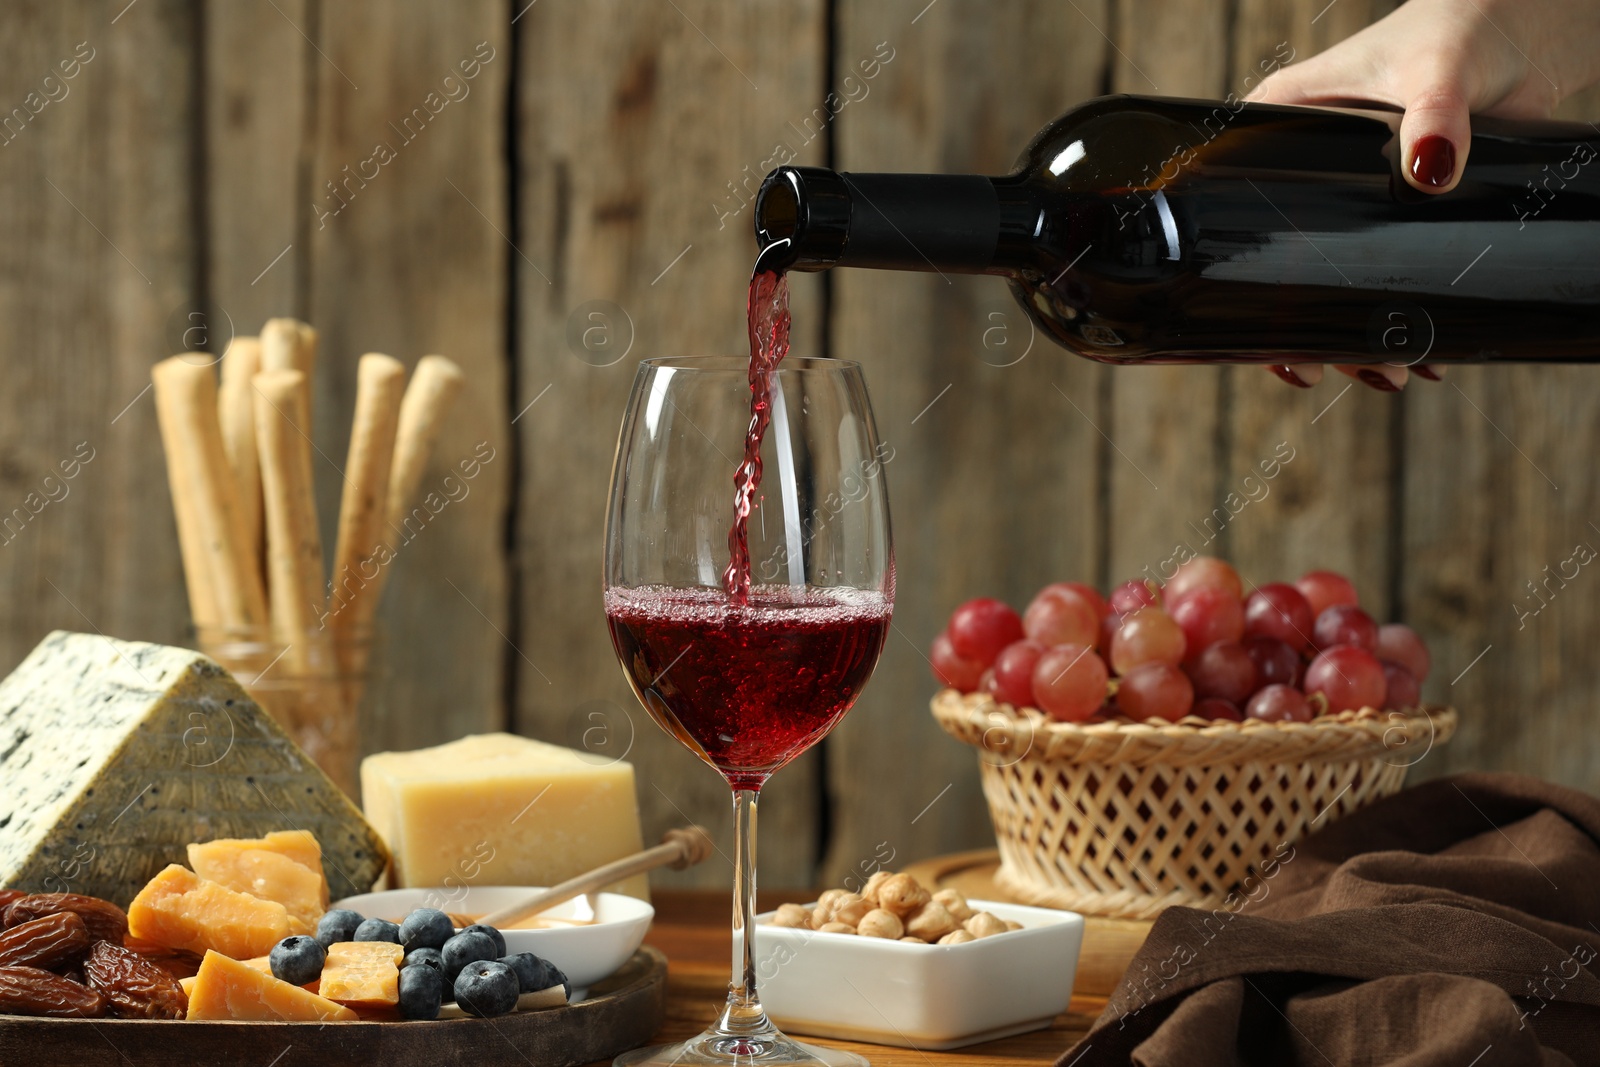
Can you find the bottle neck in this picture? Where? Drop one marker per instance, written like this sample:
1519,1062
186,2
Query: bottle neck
945,223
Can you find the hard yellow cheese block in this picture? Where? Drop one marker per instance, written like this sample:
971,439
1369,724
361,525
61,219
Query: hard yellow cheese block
362,974
498,809
178,910
285,866
227,989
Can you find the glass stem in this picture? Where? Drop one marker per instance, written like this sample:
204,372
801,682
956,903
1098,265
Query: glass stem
743,1015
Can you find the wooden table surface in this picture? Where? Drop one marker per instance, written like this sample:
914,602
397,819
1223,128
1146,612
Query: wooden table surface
692,928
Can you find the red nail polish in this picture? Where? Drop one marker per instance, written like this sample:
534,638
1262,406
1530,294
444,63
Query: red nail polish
1422,370
1433,161
1378,381
1288,375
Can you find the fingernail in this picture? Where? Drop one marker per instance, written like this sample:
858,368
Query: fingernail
1433,161
1422,370
1378,381
1288,375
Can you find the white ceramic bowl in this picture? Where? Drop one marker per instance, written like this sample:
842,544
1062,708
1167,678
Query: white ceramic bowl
586,953
921,996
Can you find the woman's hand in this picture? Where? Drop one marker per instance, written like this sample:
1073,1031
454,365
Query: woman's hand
1442,61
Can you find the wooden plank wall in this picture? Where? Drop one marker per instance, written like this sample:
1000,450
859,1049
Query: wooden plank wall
579,203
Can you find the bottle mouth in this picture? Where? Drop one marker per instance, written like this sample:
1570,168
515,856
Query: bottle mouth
778,206
802,218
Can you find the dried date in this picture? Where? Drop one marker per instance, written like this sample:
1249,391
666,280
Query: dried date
6,897
50,943
134,987
30,991
105,921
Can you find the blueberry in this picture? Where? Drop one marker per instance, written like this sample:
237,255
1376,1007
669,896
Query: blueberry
378,930
424,957
464,948
534,974
421,991
338,925
486,988
426,928
499,938
297,960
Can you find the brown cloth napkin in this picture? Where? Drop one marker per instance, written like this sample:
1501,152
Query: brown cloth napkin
1456,923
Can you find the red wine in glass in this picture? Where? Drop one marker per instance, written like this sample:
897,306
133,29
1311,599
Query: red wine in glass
748,658
747,686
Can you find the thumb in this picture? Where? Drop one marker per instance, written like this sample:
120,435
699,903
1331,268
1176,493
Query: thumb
1435,135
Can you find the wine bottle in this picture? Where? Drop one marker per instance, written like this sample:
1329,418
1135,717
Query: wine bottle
1152,230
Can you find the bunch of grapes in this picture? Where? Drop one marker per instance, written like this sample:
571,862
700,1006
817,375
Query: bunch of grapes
1195,646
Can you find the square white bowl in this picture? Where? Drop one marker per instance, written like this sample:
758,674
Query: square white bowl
920,996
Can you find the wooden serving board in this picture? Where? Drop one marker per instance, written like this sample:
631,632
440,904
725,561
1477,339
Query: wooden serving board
1108,944
622,1012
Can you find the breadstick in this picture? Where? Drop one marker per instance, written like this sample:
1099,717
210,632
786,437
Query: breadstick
289,344
307,349
236,414
191,544
428,397
294,545
380,381
229,593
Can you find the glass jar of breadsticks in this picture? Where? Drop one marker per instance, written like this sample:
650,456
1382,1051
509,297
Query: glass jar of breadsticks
241,466
312,685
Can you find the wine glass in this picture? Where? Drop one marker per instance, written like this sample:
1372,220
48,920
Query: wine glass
748,682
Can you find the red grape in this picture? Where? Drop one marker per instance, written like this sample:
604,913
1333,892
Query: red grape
1324,589
1276,663
1083,589
1279,610
1402,689
1204,572
980,628
1224,670
1060,616
1207,615
1345,624
1013,673
1399,643
1349,677
986,682
1132,595
1155,691
951,669
1108,629
1217,710
1147,636
1069,682
1279,703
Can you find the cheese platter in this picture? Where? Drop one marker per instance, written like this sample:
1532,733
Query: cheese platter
622,1012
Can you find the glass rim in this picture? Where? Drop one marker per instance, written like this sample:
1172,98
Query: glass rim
741,364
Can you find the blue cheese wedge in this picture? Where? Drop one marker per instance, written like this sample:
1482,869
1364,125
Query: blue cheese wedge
115,755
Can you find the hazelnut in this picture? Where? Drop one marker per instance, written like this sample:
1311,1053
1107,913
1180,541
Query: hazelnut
902,894
827,906
908,939
869,892
931,921
836,928
956,937
850,909
954,903
793,915
984,925
1012,924
880,923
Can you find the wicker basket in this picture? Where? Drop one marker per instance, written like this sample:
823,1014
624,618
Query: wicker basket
1127,819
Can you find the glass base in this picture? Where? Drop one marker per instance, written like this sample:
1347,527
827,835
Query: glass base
717,1048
